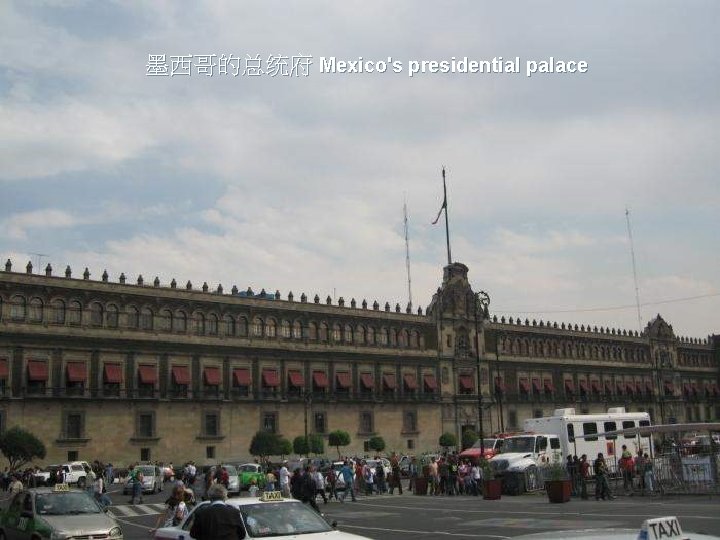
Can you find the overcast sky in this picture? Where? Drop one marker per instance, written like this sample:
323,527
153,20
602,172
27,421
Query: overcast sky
297,183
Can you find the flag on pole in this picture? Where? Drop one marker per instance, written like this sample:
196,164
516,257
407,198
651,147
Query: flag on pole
444,204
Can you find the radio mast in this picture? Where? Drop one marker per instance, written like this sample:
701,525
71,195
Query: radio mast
634,268
407,250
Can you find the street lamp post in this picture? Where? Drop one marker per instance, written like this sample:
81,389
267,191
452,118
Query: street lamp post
482,301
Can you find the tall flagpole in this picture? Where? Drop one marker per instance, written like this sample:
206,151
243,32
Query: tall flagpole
447,226
407,251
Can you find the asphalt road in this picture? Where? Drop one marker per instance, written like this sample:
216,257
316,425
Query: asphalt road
391,517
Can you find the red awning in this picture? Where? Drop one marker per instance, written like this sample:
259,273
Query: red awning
466,382
320,379
430,382
76,372
536,385
620,386
695,389
343,379
296,378
270,377
595,386
639,387
37,370
668,386
499,384
3,368
181,374
367,380
569,386
211,374
583,386
716,390
389,381
686,388
410,381
608,387
648,387
548,385
629,387
524,385
241,376
112,373
148,374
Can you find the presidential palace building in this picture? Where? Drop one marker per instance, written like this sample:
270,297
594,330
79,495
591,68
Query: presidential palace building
123,371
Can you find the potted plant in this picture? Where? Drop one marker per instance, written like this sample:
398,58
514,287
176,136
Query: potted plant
492,487
557,483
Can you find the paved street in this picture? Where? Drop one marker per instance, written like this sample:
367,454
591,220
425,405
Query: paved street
390,517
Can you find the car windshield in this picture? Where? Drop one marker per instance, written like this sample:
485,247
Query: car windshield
249,468
63,504
487,443
148,471
519,444
264,520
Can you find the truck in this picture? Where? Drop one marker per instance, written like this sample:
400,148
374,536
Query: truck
550,440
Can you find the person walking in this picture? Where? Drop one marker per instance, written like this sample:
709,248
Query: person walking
308,488
176,509
347,475
217,520
602,486
584,472
648,475
413,472
136,477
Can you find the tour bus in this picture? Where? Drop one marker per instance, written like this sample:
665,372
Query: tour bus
586,433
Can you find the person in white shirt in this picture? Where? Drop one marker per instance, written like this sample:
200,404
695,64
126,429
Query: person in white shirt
285,480
319,484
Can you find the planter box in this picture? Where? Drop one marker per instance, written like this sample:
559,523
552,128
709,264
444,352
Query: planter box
492,489
558,490
421,486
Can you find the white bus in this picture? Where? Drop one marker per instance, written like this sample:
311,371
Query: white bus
586,433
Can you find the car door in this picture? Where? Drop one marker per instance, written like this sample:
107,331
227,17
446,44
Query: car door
19,523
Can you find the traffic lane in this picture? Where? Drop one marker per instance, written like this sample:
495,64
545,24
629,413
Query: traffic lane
393,517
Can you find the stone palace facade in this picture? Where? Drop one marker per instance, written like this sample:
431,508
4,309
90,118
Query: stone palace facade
123,371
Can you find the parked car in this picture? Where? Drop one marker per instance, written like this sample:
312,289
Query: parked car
233,477
153,479
385,465
74,473
247,472
57,512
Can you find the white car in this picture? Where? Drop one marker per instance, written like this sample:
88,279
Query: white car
268,516
152,480
385,465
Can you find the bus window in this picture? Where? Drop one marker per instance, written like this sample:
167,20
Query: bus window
571,432
645,423
554,443
610,426
628,424
590,428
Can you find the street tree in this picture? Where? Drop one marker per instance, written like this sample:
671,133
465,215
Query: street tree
376,443
316,444
468,438
447,439
265,444
300,445
338,438
20,447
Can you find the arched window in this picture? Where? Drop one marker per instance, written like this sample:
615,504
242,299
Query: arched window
360,334
285,329
393,337
297,330
17,308
165,320
146,319
383,336
422,341
35,313
257,327
271,328
112,316
57,310
75,312
323,332
229,324
242,326
348,334
133,317
336,333
96,314
312,331
200,324
404,339
414,339
371,335
213,324
180,322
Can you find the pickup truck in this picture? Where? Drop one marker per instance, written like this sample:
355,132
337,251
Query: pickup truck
73,473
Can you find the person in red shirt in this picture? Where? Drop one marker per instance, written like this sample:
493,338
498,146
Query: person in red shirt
584,474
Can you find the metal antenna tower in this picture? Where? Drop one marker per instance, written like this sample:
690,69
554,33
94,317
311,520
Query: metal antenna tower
632,253
39,258
407,249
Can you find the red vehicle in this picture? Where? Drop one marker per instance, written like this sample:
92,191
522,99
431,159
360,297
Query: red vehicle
492,446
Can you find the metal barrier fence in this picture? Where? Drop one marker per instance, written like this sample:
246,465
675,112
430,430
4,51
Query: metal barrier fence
683,473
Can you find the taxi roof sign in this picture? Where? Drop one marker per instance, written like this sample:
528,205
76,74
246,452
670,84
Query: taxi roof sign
664,528
268,496
61,487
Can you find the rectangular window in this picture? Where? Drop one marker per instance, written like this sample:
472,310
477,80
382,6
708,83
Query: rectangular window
145,454
74,425
571,433
537,413
610,426
409,421
628,424
366,446
270,423
72,455
411,444
366,422
554,443
210,452
146,425
512,419
211,424
320,423
590,428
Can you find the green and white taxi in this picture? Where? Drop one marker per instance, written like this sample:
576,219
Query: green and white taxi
268,516
57,513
